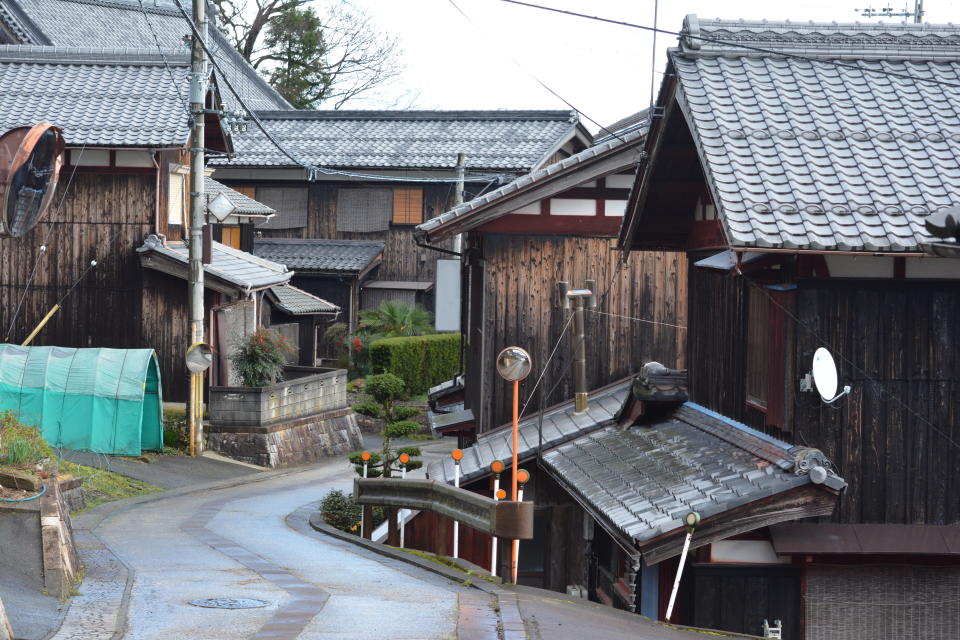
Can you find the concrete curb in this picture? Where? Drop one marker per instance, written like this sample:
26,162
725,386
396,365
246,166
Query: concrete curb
481,582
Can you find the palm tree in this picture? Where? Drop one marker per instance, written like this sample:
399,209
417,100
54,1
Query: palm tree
395,319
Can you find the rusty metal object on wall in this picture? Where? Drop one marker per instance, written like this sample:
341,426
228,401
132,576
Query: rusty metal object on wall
501,518
30,161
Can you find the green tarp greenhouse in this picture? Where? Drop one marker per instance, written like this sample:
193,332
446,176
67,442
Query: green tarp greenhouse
101,400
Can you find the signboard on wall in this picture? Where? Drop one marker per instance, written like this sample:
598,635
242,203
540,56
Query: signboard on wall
447,296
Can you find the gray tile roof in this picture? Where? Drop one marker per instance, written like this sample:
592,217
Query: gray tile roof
560,425
121,24
352,256
432,228
98,97
239,268
244,204
504,140
805,154
644,479
298,302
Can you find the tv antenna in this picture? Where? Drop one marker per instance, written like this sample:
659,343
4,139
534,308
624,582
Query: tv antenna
825,376
888,12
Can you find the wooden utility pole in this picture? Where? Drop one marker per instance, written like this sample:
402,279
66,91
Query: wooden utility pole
198,92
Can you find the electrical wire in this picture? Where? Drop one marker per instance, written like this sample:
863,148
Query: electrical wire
538,80
546,364
738,45
863,374
166,63
44,245
644,320
312,169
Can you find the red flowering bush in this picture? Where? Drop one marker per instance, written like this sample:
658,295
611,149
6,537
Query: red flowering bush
259,358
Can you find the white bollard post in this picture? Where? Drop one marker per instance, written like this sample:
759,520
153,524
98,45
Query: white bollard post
456,524
493,552
362,523
403,475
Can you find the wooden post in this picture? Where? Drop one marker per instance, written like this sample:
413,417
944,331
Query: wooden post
368,518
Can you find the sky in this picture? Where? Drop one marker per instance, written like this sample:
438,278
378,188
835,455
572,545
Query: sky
494,57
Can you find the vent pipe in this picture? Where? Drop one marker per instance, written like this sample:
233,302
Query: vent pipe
579,299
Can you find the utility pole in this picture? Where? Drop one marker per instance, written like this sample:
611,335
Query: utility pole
198,92
458,198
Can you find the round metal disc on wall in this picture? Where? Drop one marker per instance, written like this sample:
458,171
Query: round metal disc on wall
229,603
514,363
825,374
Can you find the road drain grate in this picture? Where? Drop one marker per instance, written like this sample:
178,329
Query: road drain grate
229,603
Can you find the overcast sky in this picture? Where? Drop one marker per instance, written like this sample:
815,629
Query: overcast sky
603,70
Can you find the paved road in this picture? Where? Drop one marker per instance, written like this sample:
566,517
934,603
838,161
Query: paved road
251,541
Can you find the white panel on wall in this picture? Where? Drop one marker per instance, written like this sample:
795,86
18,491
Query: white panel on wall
126,158
532,208
572,207
620,181
933,268
447,296
588,185
859,267
90,157
614,207
746,551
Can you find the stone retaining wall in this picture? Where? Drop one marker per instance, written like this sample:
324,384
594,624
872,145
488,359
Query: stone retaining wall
38,542
290,442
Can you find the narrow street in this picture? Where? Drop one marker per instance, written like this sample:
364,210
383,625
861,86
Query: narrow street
251,541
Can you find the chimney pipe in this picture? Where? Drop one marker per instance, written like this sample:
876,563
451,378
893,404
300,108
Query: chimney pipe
580,298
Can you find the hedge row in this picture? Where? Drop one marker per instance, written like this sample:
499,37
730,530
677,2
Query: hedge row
422,361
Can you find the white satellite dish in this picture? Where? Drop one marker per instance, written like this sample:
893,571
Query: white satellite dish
825,376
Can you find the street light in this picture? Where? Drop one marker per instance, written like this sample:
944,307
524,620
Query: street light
514,364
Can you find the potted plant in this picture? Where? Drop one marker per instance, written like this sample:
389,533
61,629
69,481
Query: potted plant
269,391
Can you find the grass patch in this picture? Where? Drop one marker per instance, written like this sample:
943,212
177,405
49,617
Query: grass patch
447,562
100,485
21,446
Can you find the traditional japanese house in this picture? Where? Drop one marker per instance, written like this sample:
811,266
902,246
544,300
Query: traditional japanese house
520,240
794,164
364,177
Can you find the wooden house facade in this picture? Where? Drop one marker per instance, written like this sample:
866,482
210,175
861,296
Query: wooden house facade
799,199
558,224
383,173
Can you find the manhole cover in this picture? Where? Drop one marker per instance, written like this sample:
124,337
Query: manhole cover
229,603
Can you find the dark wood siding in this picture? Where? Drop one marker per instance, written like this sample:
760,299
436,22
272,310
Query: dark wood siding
104,217
403,259
896,438
520,308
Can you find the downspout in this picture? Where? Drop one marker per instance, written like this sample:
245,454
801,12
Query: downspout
156,196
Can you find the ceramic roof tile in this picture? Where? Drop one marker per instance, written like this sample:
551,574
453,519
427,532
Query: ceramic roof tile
98,97
799,132
349,256
239,268
560,425
643,480
245,205
494,140
297,302
121,24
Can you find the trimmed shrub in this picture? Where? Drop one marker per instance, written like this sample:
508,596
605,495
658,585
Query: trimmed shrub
422,361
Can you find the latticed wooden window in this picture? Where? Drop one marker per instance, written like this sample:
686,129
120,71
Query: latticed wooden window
758,346
407,206
364,210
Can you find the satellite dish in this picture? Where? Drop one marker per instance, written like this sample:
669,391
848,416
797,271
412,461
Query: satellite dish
825,376
30,160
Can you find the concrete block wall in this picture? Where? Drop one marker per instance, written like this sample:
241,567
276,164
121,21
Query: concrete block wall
291,399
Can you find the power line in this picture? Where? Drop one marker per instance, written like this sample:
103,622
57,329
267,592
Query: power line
44,245
863,374
312,169
166,63
738,45
543,371
539,81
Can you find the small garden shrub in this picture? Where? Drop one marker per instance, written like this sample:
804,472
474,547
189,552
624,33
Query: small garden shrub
339,510
421,361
